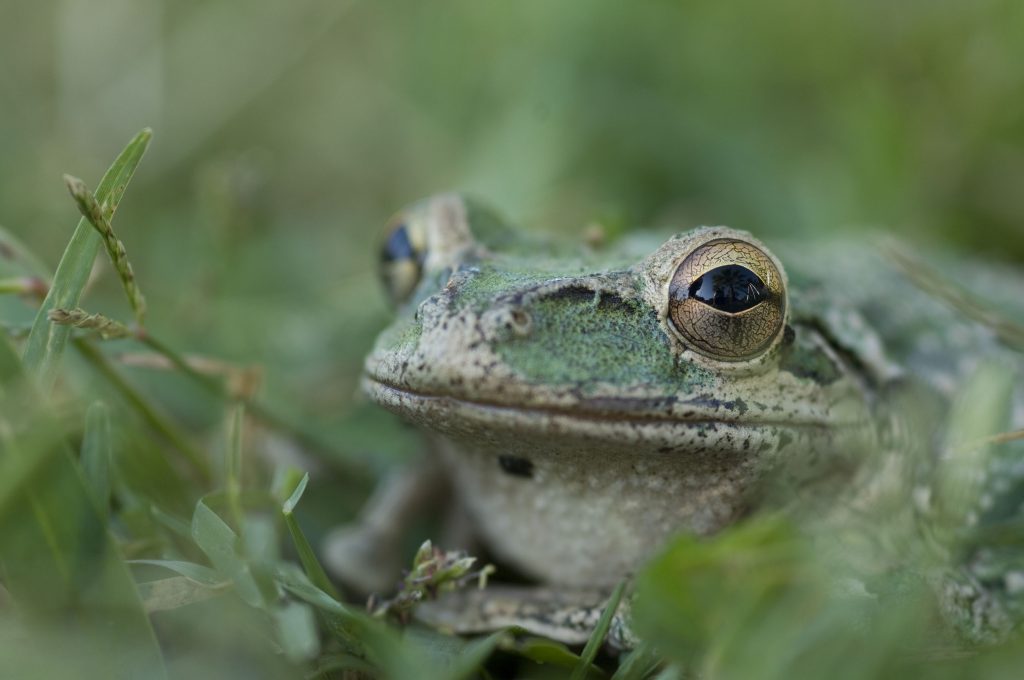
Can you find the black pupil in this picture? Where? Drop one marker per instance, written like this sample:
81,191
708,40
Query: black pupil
730,288
398,246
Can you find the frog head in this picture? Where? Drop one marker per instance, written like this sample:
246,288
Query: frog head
613,396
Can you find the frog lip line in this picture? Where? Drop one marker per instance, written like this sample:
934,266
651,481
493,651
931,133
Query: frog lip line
385,389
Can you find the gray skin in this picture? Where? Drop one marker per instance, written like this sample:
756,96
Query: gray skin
578,427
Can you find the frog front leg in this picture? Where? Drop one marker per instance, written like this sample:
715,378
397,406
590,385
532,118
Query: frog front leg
366,555
565,614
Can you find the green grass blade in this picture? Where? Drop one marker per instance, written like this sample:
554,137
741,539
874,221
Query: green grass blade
175,592
541,650
233,466
220,543
381,644
58,560
19,418
204,576
168,521
96,456
148,411
600,632
473,656
46,342
296,630
307,555
641,663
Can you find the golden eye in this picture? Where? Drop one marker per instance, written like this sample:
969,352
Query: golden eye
401,258
727,300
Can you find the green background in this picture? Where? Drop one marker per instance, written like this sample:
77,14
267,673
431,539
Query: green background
286,133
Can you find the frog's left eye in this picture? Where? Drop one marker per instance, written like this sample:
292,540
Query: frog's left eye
727,300
401,259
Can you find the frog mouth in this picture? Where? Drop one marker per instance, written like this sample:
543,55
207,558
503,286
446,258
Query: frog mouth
433,409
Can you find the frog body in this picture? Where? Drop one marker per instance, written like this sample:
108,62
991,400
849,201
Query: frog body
588,406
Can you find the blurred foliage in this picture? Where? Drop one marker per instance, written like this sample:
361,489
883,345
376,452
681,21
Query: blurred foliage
287,133
285,136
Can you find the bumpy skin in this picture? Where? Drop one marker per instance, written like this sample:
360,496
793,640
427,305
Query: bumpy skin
579,427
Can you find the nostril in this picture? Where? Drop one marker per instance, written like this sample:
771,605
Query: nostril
520,322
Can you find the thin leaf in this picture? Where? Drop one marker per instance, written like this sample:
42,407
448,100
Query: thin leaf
96,456
330,664
600,632
293,500
202,575
149,413
233,465
33,432
220,543
174,592
169,521
307,555
298,584
296,630
543,651
46,342
474,655
350,627
641,663
57,557
671,672
982,408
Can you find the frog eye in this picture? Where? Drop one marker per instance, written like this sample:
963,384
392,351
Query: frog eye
401,259
727,300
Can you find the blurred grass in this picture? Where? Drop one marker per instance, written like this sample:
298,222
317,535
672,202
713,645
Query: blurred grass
278,159
287,133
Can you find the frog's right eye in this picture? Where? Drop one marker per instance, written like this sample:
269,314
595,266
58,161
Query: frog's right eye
401,259
727,300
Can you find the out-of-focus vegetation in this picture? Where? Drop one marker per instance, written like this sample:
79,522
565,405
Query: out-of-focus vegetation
285,134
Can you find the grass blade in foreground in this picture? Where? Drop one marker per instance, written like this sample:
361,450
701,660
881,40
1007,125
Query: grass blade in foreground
307,555
96,455
61,567
47,341
599,634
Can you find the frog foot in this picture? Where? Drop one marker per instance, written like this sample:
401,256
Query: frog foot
565,615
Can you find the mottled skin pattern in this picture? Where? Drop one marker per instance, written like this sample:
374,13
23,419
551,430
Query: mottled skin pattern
581,427
619,459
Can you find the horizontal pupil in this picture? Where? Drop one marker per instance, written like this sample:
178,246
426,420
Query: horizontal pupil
730,288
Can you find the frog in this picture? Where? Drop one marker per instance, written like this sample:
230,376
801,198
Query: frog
586,403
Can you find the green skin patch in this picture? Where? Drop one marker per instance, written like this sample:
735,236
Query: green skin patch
581,425
578,336
583,337
560,376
